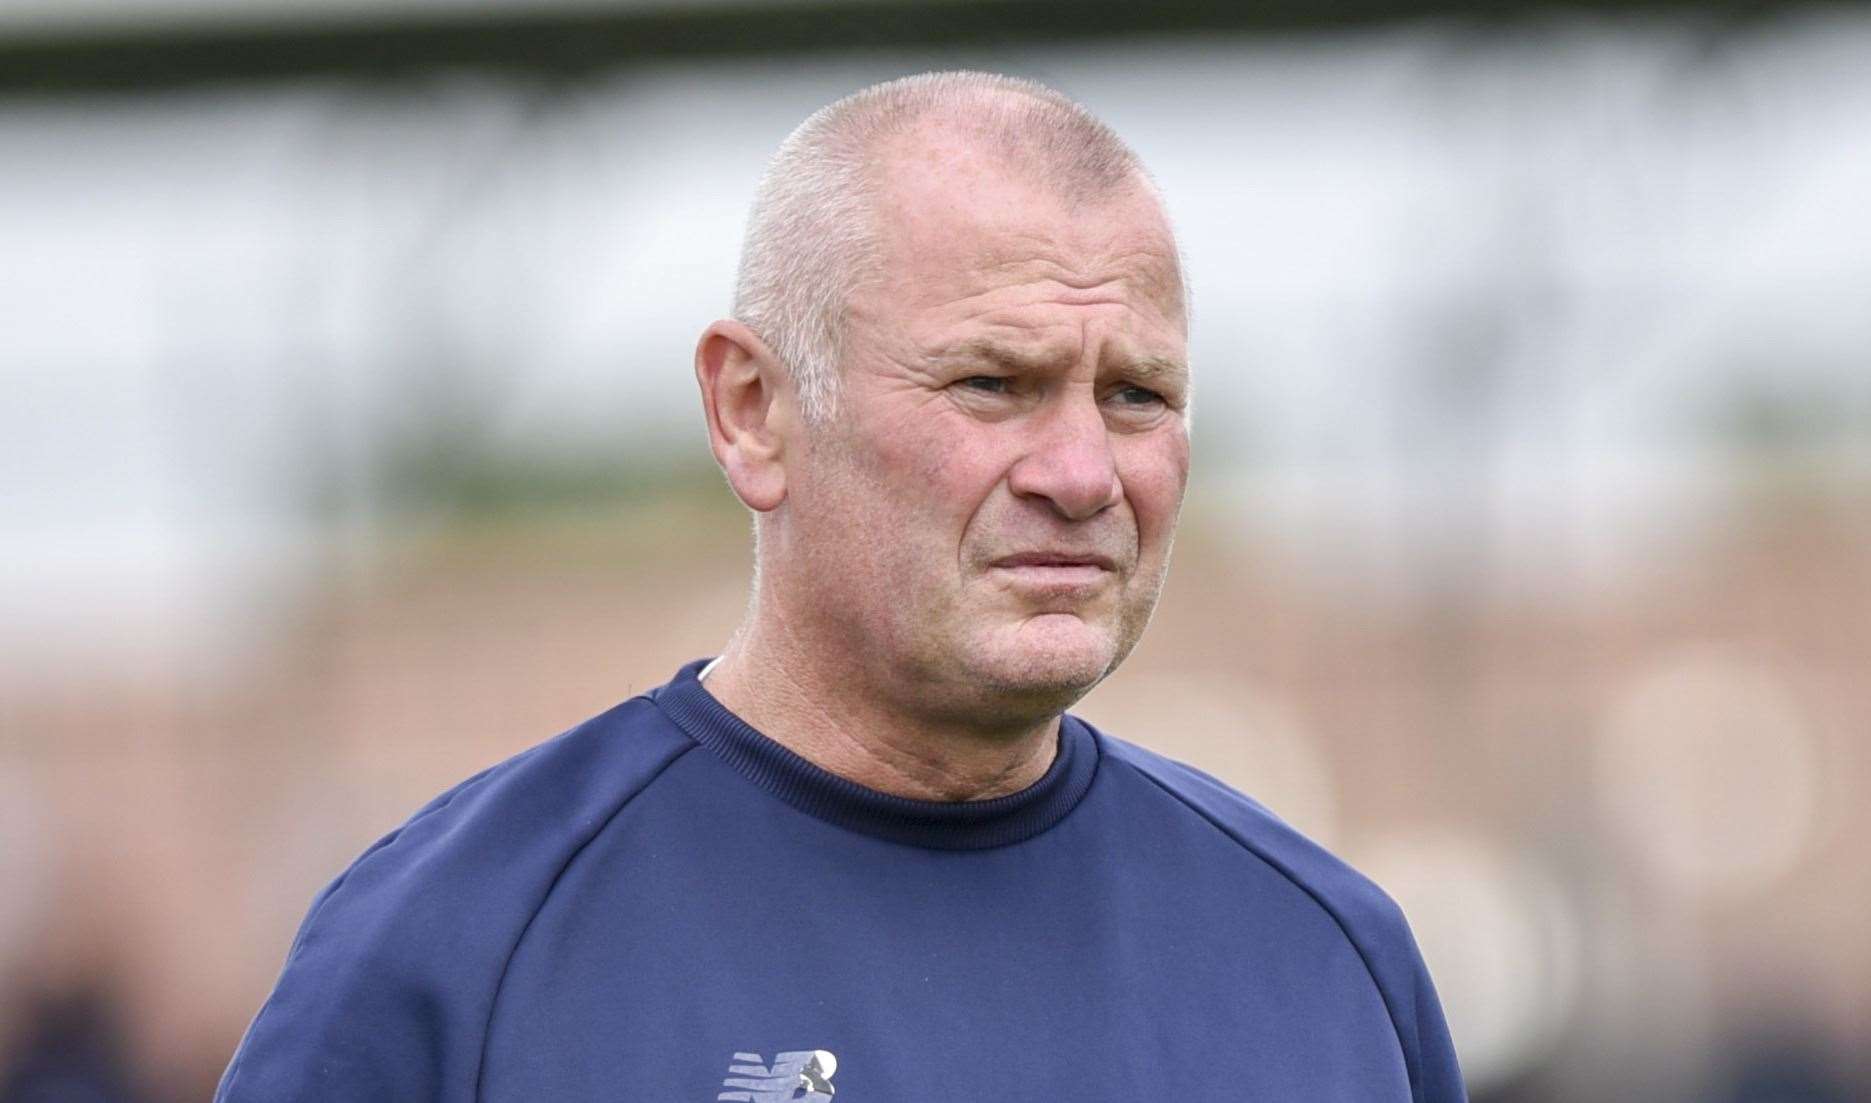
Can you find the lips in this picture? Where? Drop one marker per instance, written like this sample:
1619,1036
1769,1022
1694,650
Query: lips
1059,560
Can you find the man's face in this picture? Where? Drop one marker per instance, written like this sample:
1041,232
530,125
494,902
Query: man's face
986,522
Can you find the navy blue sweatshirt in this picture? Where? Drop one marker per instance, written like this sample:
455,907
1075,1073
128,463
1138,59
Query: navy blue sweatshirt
663,905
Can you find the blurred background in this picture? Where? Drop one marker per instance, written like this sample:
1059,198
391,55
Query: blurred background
349,445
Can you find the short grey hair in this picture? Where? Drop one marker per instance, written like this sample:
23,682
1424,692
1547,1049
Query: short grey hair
813,237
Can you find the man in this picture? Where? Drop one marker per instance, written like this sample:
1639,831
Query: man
863,852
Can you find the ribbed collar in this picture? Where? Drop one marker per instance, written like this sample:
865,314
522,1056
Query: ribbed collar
939,825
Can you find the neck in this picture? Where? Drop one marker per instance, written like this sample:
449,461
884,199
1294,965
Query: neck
825,714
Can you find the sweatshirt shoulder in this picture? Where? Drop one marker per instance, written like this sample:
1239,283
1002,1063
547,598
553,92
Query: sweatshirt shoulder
387,987
1264,836
1369,918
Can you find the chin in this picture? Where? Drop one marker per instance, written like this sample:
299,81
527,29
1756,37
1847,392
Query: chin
1050,661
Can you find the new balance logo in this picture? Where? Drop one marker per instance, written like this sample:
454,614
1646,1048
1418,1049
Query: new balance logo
801,1077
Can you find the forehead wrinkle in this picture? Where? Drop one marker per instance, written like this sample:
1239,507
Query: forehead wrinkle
1150,271
981,257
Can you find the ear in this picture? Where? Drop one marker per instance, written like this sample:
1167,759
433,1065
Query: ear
747,398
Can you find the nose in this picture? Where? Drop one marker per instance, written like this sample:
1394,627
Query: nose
1070,464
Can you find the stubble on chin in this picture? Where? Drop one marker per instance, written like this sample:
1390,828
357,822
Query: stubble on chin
1038,664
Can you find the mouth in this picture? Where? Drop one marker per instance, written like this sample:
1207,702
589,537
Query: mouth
1056,571
1046,559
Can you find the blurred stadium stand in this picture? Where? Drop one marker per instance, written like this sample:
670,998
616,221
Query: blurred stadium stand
67,45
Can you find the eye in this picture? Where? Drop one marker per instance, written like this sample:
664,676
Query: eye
985,384
1134,395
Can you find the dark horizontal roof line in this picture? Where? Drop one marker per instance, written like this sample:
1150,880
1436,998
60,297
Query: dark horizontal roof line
562,44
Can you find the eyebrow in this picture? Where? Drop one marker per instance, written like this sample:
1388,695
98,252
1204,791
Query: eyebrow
982,350
1156,367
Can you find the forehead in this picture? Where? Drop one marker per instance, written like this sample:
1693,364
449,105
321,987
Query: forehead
955,218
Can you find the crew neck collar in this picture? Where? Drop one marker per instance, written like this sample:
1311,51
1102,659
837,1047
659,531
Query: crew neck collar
938,825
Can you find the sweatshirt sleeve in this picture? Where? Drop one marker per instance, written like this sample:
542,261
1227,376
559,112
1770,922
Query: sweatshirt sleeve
1439,1076
389,986
381,988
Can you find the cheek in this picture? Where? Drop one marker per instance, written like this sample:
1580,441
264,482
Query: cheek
938,472
1155,472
